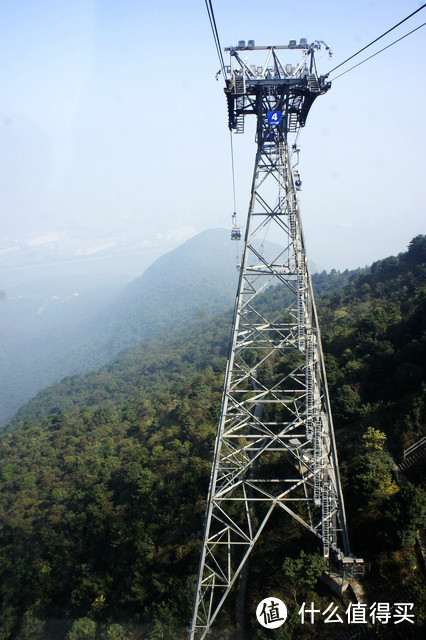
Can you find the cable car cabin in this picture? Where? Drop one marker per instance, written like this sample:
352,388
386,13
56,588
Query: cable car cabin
236,234
297,181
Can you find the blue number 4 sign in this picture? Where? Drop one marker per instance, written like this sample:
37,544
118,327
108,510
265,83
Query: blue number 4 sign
274,118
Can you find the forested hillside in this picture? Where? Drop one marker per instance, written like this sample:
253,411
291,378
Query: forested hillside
104,477
375,341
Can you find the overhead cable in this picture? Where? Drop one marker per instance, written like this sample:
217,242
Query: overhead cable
210,12
380,51
213,25
233,173
382,36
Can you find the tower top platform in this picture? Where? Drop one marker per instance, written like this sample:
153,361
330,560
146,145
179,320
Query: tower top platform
257,84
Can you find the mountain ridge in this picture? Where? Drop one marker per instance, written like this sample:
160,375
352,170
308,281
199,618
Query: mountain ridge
189,283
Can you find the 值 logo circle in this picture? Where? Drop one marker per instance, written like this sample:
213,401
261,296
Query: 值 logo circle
271,613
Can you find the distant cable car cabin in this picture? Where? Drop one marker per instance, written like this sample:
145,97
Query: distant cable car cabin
236,231
297,181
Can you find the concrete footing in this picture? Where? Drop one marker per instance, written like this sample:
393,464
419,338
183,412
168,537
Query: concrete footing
338,585
335,582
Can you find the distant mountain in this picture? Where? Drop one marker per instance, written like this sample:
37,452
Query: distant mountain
193,282
46,337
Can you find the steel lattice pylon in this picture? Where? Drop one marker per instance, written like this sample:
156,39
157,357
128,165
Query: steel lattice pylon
275,445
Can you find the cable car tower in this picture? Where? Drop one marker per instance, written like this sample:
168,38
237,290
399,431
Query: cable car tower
275,447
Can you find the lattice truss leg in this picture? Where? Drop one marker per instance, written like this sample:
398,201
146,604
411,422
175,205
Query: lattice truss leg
275,445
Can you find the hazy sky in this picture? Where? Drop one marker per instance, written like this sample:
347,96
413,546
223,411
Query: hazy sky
111,118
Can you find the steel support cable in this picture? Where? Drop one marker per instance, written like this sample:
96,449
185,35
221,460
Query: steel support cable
212,19
376,40
216,39
233,172
234,217
380,51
